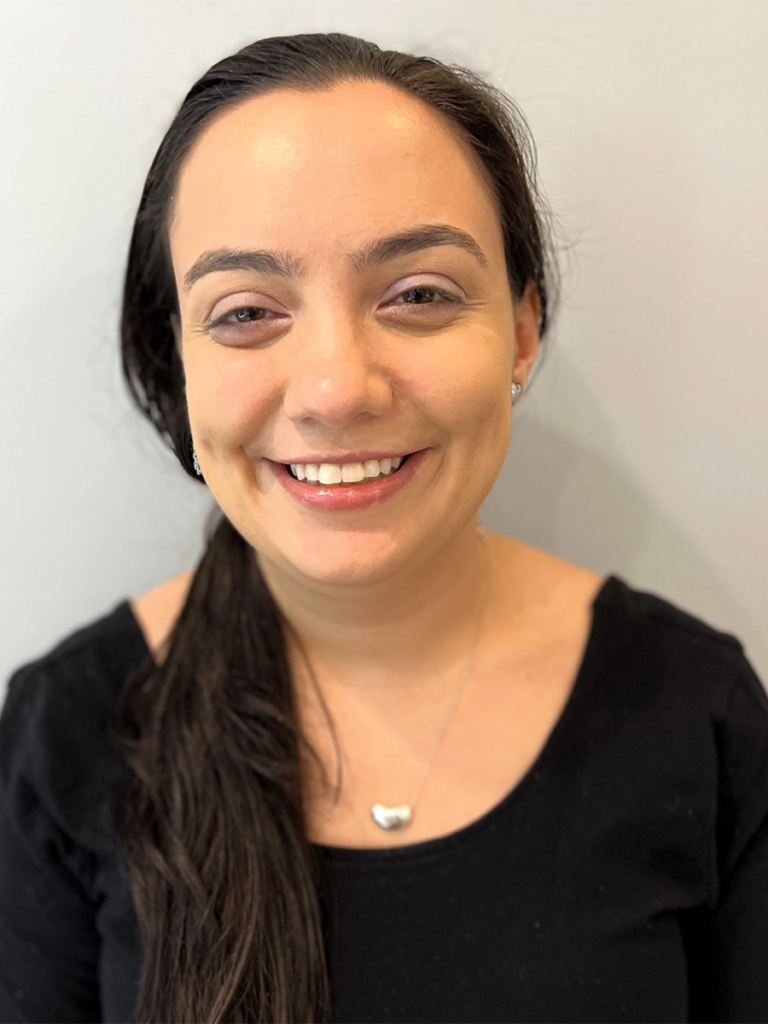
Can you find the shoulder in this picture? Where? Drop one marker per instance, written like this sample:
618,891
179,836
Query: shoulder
669,638
690,680
713,703
662,678
662,613
683,716
55,751
157,609
570,585
639,634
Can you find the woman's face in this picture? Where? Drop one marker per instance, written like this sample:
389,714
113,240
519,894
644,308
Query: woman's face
337,351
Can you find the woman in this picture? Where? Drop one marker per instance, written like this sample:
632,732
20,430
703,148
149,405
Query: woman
553,803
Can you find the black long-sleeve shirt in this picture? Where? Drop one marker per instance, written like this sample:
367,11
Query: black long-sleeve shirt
625,878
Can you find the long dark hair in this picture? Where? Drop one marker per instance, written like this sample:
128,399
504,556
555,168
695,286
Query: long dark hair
209,819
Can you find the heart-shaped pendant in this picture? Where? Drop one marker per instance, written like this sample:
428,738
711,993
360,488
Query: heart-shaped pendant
391,817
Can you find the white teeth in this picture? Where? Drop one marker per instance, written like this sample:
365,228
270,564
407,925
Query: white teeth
349,472
329,473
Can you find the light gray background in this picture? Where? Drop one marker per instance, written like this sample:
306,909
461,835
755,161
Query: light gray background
640,450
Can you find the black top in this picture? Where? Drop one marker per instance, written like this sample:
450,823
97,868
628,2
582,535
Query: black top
625,878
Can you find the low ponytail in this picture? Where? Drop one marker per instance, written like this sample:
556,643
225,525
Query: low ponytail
212,824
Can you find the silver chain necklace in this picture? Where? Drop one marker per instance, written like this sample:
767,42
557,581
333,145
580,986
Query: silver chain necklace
397,817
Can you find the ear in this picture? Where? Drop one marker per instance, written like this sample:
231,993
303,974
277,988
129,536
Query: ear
176,332
527,341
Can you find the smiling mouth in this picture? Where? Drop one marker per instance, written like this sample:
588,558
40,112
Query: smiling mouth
329,474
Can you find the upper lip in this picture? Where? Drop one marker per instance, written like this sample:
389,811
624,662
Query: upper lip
302,460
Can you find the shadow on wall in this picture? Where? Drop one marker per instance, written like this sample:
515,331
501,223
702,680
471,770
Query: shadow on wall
582,506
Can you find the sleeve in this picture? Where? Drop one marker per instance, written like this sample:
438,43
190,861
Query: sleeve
727,942
49,945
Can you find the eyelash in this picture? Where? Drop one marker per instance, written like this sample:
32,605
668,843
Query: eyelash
448,299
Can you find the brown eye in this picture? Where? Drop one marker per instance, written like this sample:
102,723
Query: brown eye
422,295
242,315
237,323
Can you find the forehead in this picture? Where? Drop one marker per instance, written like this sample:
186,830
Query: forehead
311,172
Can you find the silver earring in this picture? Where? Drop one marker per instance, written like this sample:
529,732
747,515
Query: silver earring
516,390
195,463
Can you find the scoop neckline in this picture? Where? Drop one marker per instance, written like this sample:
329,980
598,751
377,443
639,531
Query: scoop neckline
370,855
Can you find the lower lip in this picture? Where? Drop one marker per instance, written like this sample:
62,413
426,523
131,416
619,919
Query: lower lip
338,498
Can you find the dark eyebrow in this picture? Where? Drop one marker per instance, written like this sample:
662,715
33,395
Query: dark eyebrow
381,250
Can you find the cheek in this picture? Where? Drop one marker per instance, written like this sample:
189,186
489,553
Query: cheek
474,405
230,403
487,419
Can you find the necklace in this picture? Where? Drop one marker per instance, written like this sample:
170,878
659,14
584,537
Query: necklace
387,817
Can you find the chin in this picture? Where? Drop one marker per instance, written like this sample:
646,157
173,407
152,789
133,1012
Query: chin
338,556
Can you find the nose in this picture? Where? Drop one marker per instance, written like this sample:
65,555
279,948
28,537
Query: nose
335,374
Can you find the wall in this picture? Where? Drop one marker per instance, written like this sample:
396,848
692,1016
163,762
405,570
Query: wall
640,449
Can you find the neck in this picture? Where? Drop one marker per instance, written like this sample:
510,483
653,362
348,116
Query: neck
411,631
